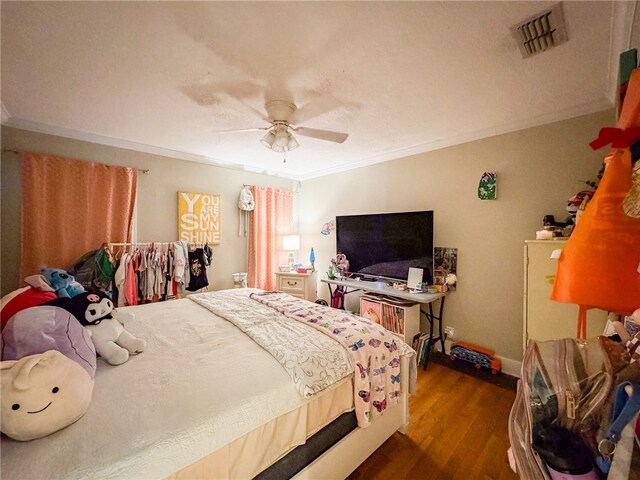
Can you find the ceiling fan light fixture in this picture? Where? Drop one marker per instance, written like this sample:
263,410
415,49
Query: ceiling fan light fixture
293,143
280,140
282,137
268,139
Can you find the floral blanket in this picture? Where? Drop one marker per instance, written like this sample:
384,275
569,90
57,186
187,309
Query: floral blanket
375,351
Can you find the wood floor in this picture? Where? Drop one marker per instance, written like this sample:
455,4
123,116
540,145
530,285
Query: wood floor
458,430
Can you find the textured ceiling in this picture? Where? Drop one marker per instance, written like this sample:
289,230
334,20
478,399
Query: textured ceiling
398,77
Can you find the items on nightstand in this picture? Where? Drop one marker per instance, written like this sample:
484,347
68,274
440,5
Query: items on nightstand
291,243
312,260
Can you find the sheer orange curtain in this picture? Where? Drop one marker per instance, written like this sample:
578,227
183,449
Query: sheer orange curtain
271,219
70,207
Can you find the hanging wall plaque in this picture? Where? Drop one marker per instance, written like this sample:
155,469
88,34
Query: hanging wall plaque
199,218
488,186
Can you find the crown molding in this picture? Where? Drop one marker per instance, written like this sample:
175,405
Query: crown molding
135,146
597,106
622,18
585,109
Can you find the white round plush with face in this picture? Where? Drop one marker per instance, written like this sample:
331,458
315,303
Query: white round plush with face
42,394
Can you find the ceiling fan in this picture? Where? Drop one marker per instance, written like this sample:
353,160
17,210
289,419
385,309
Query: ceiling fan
281,115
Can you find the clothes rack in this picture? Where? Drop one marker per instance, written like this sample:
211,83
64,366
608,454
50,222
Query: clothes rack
155,271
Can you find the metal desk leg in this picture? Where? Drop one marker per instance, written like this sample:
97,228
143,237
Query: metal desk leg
430,339
440,324
431,318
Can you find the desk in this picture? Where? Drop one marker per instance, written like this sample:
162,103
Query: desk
386,289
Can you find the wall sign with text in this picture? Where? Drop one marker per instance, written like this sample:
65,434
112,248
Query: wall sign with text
199,217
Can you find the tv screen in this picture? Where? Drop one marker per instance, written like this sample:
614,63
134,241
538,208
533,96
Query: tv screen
387,244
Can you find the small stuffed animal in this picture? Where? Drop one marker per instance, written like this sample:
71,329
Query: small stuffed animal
113,342
95,311
61,282
89,308
46,374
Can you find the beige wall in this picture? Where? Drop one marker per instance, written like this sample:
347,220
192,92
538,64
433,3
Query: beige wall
538,170
157,198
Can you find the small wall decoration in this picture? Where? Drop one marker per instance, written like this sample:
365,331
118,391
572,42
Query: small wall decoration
488,186
199,217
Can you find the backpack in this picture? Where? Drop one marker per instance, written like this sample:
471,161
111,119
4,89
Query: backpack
94,269
246,204
564,405
337,298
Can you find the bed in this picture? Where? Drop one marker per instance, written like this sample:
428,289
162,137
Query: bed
203,401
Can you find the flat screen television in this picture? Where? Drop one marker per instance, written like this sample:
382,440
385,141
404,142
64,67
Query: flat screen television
387,244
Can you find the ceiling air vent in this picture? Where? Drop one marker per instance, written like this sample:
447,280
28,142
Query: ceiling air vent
541,32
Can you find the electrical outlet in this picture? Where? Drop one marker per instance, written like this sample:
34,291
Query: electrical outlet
448,331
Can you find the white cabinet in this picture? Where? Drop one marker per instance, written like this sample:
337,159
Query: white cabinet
545,319
301,285
400,317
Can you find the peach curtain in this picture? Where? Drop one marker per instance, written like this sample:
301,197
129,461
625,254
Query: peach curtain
271,219
70,207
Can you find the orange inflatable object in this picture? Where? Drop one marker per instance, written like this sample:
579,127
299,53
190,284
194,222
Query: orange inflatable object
599,266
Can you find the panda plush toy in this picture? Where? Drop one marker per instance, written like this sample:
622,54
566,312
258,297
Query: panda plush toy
95,311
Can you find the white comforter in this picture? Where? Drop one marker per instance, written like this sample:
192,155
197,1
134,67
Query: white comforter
196,388
314,362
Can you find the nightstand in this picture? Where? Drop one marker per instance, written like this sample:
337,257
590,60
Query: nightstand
301,285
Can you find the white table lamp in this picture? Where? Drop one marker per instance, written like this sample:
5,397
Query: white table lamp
291,243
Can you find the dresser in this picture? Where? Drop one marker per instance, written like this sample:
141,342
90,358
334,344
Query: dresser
301,285
545,319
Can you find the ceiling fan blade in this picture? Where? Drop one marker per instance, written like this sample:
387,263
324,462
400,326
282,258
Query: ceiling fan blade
238,130
321,134
315,108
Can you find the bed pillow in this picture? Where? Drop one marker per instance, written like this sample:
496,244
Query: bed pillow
28,297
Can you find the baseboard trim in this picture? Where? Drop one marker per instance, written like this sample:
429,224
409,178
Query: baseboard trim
509,366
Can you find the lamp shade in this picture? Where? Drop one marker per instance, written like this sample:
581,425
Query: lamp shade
268,139
291,242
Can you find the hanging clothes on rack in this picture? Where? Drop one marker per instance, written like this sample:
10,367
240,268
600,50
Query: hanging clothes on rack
118,280
198,269
152,272
131,280
181,272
